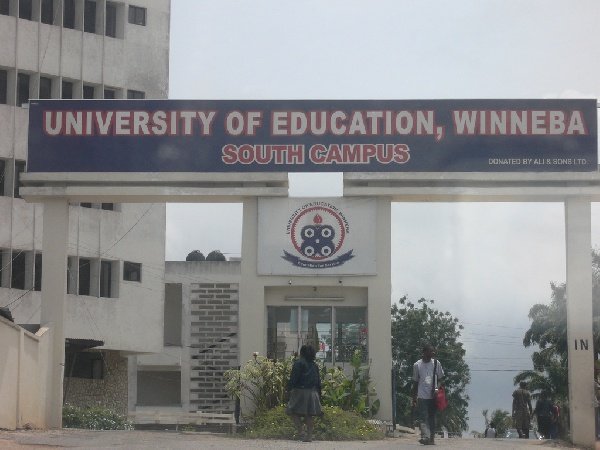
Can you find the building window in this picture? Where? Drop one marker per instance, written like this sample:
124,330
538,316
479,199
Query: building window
3,87
37,279
108,206
69,14
45,87
132,271
47,12
17,279
19,169
25,9
22,89
335,332
111,20
137,15
89,365
172,314
67,90
135,95
110,94
105,278
2,176
158,388
89,16
88,91
85,272
5,7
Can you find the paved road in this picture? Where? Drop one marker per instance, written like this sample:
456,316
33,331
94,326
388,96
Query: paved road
172,440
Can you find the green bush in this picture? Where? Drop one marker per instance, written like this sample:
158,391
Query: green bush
262,382
353,393
94,418
335,425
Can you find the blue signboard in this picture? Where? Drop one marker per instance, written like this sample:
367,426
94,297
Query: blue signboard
312,136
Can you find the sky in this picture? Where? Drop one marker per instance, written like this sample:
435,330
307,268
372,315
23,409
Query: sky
487,264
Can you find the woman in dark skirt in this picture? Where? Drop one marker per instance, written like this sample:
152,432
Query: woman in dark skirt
305,388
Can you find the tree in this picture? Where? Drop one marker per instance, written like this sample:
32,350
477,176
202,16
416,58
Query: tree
412,327
501,419
548,331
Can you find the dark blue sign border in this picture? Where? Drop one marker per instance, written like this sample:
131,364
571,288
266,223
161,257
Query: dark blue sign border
313,136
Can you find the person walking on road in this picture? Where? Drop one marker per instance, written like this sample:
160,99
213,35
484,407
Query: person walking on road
427,379
544,412
522,410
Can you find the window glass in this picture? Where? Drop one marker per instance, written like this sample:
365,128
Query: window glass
47,12
67,90
316,330
158,388
111,20
85,270
88,91
88,365
132,271
3,87
5,7
89,16
289,327
19,169
37,282
18,270
282,331
135,95
350,333
105,278
45,87
2,176
108,206
137,15
110,94
22,89
69,14
25,9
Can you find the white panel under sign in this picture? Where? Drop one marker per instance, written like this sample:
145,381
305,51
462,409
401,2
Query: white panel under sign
308,236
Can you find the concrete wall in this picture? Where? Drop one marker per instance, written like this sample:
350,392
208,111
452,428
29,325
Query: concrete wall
110,392
23,375
208,292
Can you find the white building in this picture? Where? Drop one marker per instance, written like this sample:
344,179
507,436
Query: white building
200,341
90,49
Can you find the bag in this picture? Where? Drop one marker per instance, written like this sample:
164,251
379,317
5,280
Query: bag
440,400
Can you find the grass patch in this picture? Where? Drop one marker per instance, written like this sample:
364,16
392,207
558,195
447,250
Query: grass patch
335,425
94,418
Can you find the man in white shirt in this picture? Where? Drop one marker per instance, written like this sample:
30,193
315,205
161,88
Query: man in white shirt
427,379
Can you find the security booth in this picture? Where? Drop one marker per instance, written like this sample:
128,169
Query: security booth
319,270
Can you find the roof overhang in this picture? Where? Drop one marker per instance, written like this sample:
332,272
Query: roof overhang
474,187
121,187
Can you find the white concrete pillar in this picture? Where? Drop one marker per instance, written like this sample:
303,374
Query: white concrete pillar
54,294
579,320
379,313
252,328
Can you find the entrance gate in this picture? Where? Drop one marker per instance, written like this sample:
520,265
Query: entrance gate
479,152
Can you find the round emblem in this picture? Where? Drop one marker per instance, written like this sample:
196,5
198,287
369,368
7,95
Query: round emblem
317,233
